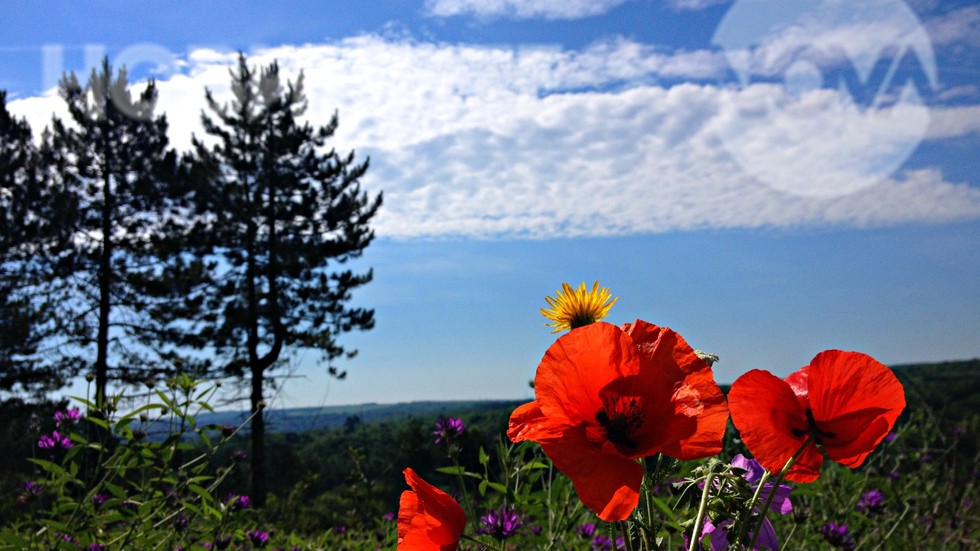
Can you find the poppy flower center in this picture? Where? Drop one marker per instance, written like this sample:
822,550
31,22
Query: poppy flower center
812,429
619,418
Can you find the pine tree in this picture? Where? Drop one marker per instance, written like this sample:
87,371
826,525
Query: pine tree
112,160
278,215
21,318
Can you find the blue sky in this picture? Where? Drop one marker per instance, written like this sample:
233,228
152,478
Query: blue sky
770,179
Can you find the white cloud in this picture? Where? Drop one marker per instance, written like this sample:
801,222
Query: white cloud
695,4
958,26
542,142
954,121
522,9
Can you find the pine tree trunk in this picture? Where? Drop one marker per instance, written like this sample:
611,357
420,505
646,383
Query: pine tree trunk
105,288
258,441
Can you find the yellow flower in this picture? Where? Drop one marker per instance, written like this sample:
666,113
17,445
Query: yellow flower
578,307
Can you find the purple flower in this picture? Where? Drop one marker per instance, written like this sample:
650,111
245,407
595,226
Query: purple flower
257,537
501,523
99,499
238,502
32,489
448,428
70,416
389,517
837,535
604,543
871,502
586,530
54,440
96,547
890,437
767,533
753,474
181,521
719,535
222,541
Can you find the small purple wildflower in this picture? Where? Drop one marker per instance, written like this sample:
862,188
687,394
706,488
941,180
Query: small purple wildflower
340,529
871,502
54,440
890,437
586,530
837,535
603,542
258,537
238,502
448,428
96,547
70,416
99,499
222,541
181,521
32,489
389,516
501,524
894,476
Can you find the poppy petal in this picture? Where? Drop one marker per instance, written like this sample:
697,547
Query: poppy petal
428,518
857,399
606,483
527,422
576,368
766,413
709,424
692,414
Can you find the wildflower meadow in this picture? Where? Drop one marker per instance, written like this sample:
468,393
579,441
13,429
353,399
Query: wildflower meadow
629,444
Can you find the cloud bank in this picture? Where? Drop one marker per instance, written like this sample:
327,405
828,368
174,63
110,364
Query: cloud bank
522,9
615,139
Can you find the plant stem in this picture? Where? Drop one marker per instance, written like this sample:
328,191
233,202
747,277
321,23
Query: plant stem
702,510
772,492
626,535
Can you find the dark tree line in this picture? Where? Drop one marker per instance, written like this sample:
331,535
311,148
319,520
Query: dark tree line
125,260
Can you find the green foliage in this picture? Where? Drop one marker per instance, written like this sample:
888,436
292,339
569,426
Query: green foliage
132,492
166,481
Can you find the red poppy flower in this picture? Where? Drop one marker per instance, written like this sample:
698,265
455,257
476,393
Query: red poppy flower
428,518
608,396
846,401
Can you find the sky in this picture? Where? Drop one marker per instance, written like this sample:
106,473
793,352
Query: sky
769,178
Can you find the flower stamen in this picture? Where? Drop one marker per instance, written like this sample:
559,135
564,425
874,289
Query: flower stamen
618,419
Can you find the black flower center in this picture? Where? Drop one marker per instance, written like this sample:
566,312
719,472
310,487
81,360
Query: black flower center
619,418
812,429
